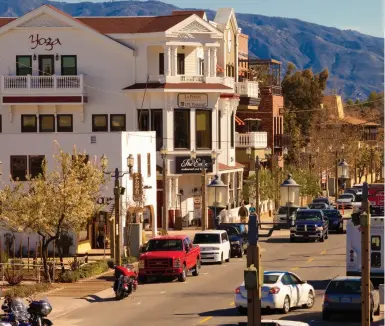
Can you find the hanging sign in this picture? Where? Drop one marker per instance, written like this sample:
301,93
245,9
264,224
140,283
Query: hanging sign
185,164
137,194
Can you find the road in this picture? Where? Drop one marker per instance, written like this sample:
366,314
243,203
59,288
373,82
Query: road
208,298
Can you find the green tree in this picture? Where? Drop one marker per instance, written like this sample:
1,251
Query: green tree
266,186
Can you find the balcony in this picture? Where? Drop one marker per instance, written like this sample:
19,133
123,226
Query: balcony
251,139
227,81
247,88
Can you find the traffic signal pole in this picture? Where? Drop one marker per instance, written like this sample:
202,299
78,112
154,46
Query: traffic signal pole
365,257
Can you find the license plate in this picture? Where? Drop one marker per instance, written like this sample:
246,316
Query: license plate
346,300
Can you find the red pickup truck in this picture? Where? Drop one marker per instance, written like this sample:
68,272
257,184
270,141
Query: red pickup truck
169,256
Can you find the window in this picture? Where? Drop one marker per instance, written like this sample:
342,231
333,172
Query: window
286,279
64,122
69,65
99,122
206,238
203,129
157,126
19,168
376,242
36,165
28,123
232,130
139,163
143,120
161,63
46,123
148,164
182,129
23,65
117,122
294,279
219,130
180,64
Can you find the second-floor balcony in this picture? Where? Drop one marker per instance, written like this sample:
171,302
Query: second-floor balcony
227,81
251,139
42,85
247,88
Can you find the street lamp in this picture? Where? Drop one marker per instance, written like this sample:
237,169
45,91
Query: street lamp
163,154
337,151
289,191
343,172
217,197
118,191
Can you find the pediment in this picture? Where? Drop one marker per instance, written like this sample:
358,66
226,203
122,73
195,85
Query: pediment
44,20
194,27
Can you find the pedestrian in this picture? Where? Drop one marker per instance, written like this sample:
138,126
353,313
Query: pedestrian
253,211
243,213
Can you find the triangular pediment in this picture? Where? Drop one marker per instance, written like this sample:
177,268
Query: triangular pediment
194,27
44,20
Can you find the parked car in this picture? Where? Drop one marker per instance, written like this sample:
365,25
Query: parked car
270,322
343,296
336,221
169,256
325,200
285,214
281,290
310,224
214,245
353,191
346,200
319,205
238,240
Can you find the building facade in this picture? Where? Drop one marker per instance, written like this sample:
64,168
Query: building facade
91,81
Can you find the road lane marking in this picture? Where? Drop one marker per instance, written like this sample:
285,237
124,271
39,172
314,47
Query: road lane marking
310,260
205,319
232,304
293,269
323,252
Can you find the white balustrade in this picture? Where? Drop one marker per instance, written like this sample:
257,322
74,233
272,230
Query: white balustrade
191,79
248,88
251,139
228,81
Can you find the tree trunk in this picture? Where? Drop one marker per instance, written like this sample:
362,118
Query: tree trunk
45,244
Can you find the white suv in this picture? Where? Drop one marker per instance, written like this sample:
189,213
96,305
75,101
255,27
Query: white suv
214,245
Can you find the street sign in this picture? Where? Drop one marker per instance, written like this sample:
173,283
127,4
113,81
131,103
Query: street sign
137,194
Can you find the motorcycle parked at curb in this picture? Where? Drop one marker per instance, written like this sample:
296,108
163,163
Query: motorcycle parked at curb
126,280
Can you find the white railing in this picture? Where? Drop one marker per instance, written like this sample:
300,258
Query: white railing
247,88
251,139
33,83
228,81
192,79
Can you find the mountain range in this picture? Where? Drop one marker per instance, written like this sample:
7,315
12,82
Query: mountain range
355,61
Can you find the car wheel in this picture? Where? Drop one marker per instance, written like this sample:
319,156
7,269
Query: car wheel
197,268
286,305
221,262
242,310
182,277
325,316
310,300
228,259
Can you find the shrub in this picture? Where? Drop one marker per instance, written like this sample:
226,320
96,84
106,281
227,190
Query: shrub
4,257
85,271
13,276
28,290
69,277
162,232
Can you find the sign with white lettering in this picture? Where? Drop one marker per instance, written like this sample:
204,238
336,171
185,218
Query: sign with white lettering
137,194
189,165
48,42
197,101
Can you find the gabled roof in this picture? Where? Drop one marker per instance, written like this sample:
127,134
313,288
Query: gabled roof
224,15
199,13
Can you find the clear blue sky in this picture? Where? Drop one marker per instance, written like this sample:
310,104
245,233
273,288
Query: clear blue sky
364,16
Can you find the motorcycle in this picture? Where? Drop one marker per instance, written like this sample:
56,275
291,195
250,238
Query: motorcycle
18,314
126,280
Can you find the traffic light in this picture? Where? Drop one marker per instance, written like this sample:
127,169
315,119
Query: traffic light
251,278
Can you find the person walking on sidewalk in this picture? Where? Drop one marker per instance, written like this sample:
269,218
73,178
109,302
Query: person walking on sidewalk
243,213
253,211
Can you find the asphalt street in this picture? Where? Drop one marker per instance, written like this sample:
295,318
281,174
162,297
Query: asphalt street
208,298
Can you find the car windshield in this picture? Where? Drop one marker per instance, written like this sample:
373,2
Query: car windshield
345,196
344,287
283,210
164,245
308,216
331,214
317,205
270,279
202,238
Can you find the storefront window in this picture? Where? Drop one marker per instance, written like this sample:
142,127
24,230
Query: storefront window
203,129
182,129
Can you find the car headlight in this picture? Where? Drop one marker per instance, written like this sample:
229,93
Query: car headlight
319,228
235,243
141,263
177,263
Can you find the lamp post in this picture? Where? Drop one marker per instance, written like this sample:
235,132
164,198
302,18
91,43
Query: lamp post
343,172
118,191
163,154
217,197
214,155
337,151
289,190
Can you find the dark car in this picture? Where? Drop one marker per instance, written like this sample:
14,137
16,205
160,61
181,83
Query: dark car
336,222
238,237
343,296
322,200
310,224
319,205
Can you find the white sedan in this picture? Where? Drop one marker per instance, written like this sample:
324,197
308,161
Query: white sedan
280,290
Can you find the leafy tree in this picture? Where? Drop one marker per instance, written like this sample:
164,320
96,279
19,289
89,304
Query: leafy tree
57,201
266,186
362,162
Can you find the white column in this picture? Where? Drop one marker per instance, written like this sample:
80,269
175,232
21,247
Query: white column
174,61
176,187
207,62
170,193
214,66
236,68
167,60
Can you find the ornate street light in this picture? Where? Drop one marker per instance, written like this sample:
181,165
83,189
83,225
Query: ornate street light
130,162
289,190
343,172
217,197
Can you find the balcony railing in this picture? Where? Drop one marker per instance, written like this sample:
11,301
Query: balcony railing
251,139
227,81
38,84
247,88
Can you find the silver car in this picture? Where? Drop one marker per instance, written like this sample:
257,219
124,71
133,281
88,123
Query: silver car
345,200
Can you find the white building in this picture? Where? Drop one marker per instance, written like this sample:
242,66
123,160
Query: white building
79,79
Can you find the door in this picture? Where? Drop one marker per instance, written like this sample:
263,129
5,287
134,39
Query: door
298,294
188,255
46,69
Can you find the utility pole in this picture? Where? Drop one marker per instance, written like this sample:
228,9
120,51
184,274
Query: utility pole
336,178
365,256
204,209
118,254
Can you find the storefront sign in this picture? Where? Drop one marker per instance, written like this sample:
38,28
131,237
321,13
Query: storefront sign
104,200
49,43
137,194
198,101
189,165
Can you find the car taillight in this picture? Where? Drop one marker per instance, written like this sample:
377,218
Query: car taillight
274,290
326,298
238,290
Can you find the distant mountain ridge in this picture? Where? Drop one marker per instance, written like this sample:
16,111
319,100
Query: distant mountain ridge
355,61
